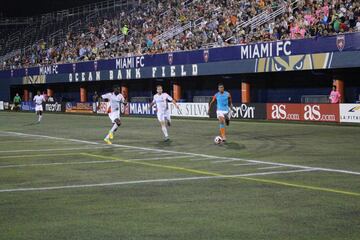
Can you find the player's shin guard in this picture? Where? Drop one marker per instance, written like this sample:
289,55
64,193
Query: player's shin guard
164,130
222,130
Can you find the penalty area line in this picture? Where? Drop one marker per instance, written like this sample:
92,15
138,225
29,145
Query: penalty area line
162,180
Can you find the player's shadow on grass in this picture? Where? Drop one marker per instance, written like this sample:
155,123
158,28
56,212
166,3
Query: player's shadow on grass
30,124
164,144
233,145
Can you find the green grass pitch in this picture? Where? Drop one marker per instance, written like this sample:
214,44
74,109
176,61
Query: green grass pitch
270,181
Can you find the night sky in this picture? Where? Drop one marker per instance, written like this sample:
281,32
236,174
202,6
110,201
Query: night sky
21,8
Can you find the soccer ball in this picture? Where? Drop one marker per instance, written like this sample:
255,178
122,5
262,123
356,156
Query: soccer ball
218,140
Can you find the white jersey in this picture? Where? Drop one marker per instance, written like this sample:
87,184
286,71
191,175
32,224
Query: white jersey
114,101
39,99
162,102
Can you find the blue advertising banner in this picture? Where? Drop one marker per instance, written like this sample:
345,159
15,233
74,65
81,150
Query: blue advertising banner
251,52
28,106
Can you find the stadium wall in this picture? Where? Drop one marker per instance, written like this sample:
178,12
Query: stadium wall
331,113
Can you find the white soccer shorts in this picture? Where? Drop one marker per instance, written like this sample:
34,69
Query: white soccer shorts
114,115
222,113
162,115
39,108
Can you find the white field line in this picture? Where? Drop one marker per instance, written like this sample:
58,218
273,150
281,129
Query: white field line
39,155
27,141
157,154
166,180
131,151
140,152
273,167
193,154
88,162
245,164
202,159
227,160
53,149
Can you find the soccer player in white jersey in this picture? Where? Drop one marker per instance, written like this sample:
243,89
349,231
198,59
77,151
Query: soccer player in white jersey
39,100
162,109
115,98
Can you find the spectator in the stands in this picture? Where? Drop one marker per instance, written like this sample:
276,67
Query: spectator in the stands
213,23
335,96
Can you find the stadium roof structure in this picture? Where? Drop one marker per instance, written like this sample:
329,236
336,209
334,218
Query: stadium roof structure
18,8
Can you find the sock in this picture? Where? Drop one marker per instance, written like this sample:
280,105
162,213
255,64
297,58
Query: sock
222,130
40,116
113,129
163,128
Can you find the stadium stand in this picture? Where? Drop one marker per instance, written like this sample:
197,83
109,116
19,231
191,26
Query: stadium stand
126,28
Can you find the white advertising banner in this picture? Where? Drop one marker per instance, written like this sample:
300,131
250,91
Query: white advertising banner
190,110
103,108
1,106
350,113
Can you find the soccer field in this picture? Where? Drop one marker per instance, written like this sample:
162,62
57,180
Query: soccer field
58,180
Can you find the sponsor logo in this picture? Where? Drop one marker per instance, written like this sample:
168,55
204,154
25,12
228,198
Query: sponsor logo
69,106
206,55
171,58
304,112
103,108
314,113
35,79
355,109
189,110
279,112
83,106
130,62
350,113
28,106
137,73
6,105
141,109
74,67
244,111
340,42
50,69
294,62
95,65
79,107
53,107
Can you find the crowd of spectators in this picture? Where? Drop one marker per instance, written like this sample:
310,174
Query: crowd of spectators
219,22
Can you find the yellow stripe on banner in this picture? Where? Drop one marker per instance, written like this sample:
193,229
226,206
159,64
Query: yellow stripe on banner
260,180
